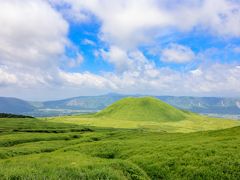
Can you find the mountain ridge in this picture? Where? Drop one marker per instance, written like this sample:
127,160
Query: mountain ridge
15,105
84,104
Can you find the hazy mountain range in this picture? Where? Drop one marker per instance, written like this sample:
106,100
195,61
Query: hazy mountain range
218,106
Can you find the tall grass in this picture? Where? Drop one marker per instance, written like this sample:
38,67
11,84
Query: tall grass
80,152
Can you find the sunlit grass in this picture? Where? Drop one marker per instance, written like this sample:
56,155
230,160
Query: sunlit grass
108,153
191,124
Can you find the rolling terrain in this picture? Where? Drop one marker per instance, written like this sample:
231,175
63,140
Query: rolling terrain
134,138
37,149
148,113
214,106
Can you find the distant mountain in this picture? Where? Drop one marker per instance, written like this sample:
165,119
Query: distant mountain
206,105
15,106
86,104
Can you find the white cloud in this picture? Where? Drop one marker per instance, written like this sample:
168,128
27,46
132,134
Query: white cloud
196,72
85,80
177,53
212,80
70,10
25,78
130,23
31,33
124,60
124,22
6,77
74,62
33,38
116,56
236,49
89,42
204,81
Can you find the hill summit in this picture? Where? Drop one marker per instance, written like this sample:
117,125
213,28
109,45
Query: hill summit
142,109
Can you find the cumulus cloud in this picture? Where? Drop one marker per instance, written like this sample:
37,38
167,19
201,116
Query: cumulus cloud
126,60
74,62
205,80
212,80
31,33
130,23
86,80
34,38
89,42
70,10
123,22
116,56
6,77
177,53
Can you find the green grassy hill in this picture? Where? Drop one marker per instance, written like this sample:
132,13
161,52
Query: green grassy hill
148,113
142,109
130,140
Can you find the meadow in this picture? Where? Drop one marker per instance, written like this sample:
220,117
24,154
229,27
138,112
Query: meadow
149,114
37,149
131,139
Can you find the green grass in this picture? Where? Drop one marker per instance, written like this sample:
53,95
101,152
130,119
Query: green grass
191,124
142,109
38,149
148,113
135,138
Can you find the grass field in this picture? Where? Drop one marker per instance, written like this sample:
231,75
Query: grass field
36,149
131,139
148,113
192,123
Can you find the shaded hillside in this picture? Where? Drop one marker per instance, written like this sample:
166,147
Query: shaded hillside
214,105
142,109
84,102
209,105
15,106
5,115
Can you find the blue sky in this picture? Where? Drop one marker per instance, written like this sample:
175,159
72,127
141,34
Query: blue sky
53,49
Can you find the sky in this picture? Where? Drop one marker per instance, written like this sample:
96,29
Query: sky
53,49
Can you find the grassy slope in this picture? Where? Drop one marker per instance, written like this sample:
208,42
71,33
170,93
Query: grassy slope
190,124
142,109
34,149
148,113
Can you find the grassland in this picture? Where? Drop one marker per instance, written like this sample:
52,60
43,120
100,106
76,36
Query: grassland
142,109
36,149
132,139
148,113
190,124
